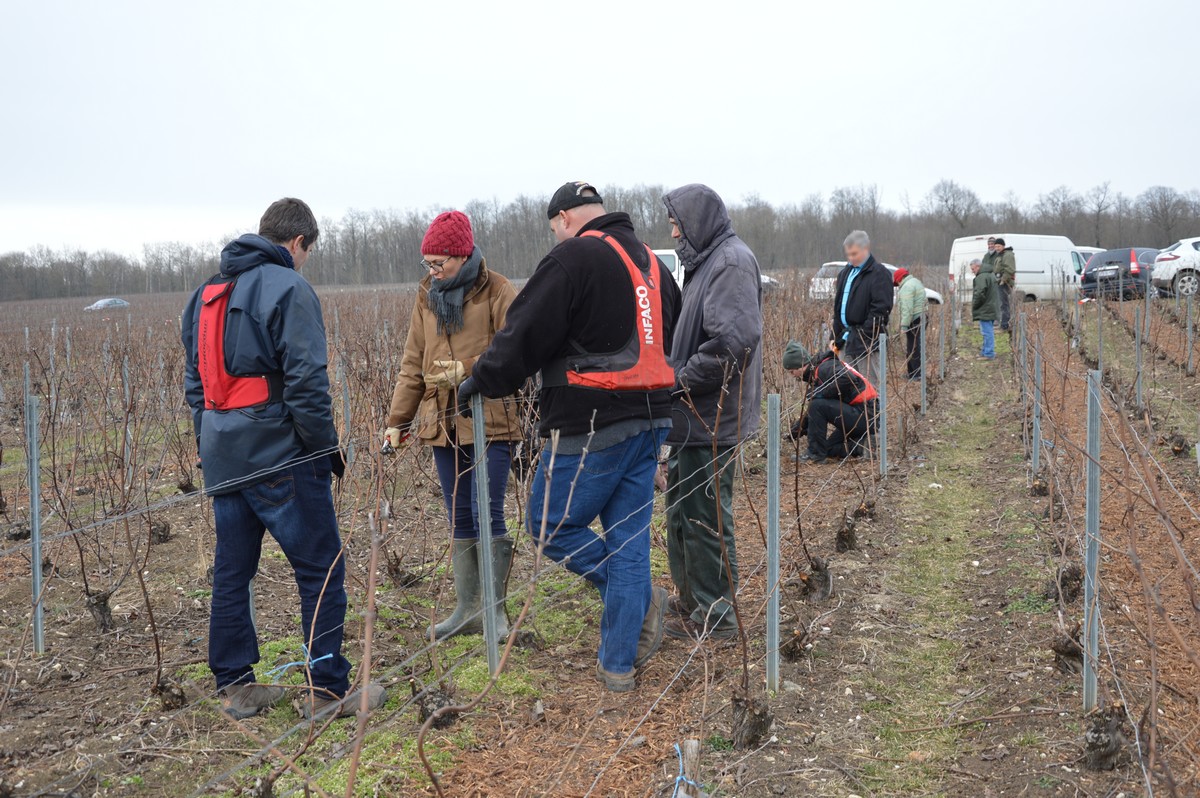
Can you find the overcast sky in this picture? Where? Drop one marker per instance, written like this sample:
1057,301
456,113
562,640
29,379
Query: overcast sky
129,122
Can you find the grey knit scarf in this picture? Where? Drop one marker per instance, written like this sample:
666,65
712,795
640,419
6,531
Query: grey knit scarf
446,296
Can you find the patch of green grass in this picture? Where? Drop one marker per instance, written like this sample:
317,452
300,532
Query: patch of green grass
1030,603
718,742
195,672
1029,739
199,594
921,668
562,606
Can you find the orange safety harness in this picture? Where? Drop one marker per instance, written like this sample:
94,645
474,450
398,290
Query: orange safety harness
867,393
640,365
222,390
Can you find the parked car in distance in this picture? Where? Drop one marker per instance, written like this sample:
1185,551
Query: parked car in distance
1122,273
824,282
670,259
111,303
1046,265
1177,268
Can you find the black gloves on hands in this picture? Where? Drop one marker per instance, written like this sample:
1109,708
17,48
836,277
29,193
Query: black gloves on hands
466,390
337,462
799,428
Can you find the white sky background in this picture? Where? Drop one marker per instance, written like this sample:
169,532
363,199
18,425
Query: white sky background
128,122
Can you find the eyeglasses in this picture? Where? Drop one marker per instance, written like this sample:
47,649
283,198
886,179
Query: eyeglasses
436,268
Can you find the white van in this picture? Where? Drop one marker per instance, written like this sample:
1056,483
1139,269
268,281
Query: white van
1046,265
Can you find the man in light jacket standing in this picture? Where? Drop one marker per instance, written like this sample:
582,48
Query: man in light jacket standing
717,357
913,307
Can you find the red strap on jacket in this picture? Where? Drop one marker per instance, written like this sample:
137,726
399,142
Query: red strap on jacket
867,393
222,390
641,365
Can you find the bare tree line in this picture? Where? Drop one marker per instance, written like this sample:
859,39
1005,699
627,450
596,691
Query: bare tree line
382,246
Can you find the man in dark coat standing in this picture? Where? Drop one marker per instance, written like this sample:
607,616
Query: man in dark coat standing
717,357
257,382
596,320
862,305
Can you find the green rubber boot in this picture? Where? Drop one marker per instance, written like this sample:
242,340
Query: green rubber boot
502,557
467,618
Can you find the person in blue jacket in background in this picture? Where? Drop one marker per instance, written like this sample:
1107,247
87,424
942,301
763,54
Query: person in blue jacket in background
258,386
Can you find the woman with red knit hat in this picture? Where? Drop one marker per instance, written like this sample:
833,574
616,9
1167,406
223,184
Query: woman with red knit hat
460,306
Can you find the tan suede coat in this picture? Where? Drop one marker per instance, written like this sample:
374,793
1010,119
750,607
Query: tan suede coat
429,412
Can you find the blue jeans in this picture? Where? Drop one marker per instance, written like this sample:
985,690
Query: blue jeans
296,505
988,328
616,484
455,467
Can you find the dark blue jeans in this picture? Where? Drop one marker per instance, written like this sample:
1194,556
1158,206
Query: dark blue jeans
296,505
616,484
455,467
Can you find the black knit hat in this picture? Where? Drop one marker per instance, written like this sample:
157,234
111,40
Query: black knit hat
570,195
795,356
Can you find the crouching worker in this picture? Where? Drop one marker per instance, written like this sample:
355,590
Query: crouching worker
840,404
596,319
257,383
460,305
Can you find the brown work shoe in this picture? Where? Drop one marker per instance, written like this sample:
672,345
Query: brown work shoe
677,606
687,629
652,627
616,682
319,707
243,701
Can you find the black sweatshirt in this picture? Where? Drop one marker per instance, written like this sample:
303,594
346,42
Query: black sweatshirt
580,293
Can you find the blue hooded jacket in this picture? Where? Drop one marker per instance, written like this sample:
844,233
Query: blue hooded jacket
274,324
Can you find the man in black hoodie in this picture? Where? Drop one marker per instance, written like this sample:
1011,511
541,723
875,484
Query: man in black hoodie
596,320
862,304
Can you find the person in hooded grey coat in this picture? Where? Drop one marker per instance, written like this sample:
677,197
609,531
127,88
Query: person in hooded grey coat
717,356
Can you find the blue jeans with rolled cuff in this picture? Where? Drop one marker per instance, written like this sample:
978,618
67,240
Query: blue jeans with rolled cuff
615,484
296,505
456,472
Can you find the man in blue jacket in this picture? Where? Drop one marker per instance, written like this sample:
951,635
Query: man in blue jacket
257,383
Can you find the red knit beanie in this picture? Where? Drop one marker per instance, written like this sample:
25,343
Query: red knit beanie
899,275
450,234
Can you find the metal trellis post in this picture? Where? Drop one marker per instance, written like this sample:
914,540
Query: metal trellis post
487,566
882,388
942,344
924,366
1091,599
1191,338
35,511
1036,450
1137,357
773,487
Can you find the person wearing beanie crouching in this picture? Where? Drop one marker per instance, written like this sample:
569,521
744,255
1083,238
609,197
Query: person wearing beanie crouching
913,309
460,306
840,404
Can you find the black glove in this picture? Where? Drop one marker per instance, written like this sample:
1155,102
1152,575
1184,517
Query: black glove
337,462
799,428
465,391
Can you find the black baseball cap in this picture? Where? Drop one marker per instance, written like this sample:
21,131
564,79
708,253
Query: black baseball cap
570,195
998,240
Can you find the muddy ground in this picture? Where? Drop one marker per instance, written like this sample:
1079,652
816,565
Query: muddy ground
928,671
